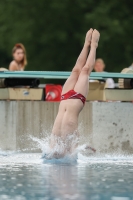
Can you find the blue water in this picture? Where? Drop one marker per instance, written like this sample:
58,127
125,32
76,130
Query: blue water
28,176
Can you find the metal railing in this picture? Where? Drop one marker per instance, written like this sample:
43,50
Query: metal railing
59,75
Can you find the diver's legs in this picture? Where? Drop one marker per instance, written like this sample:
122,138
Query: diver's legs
72,79
82,84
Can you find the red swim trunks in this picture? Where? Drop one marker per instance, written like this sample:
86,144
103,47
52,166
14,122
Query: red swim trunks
73,95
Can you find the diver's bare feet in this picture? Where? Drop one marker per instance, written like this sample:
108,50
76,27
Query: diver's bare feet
95,38
88,37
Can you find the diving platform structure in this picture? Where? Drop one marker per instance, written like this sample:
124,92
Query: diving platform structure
105,123
98,89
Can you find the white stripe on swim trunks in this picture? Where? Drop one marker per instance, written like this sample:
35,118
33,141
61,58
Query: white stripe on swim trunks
73,95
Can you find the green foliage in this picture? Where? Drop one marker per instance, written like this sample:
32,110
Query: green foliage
53,31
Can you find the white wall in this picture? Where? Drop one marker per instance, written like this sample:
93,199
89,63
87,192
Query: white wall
107,126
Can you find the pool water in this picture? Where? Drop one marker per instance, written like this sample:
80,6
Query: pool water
26,176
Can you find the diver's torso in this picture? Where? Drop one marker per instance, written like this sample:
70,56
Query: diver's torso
67,119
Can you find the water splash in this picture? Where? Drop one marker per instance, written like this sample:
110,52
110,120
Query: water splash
79,154
66,152
6,153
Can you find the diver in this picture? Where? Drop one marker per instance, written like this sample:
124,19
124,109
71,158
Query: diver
74,93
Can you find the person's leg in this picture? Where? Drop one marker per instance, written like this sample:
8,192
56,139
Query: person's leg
82,84
72,79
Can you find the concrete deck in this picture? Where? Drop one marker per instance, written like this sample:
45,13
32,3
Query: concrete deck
107,126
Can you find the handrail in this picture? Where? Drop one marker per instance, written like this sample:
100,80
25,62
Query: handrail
60,75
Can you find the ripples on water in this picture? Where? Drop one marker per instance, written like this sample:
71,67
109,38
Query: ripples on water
95,177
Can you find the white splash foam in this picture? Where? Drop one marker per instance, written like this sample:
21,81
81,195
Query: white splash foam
56,154
78,155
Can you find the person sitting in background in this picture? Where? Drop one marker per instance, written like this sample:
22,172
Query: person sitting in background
19,56
3,69
131,66
99,66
